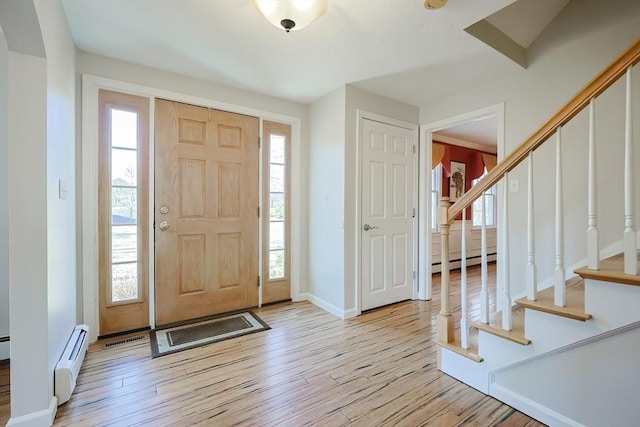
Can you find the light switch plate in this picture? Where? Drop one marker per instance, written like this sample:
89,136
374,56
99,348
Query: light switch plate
62,190
514,185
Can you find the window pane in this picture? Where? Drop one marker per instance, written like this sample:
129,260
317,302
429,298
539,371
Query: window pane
434,210
124,129
276,235
276,206
124,243
124,205
276,179
276,264
277,149
124,168
490,215
477,213
124,282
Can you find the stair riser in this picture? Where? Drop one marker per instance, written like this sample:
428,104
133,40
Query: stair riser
612,304
548,331
498,352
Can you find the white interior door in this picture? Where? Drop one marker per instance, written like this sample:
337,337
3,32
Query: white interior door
387,207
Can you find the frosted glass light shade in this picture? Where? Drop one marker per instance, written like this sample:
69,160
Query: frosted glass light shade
282,12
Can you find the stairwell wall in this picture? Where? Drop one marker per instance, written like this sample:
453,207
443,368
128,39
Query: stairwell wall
584,38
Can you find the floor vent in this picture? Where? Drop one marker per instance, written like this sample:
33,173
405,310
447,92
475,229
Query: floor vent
125,341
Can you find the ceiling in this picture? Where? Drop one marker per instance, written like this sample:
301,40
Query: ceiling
395,48
483,132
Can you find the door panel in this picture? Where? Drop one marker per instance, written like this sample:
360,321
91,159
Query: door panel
276,223
123,203
387,213
207,183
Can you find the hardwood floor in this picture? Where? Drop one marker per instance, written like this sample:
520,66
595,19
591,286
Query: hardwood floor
5,409
311,368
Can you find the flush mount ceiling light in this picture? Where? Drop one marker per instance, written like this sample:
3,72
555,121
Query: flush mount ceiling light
291,15
434,4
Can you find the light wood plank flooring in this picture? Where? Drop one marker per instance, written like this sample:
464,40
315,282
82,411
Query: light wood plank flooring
311,368
5,409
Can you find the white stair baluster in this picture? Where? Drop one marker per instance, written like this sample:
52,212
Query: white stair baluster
532,279
506,289
593,240
464,327
484,294
629,237
558,273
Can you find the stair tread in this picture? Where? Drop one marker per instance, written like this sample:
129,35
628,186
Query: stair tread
516,334
611,270
456,346
574,300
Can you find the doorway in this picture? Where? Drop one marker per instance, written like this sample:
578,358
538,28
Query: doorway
465,138
91,86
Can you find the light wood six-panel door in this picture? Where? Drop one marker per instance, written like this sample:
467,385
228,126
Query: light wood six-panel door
206,211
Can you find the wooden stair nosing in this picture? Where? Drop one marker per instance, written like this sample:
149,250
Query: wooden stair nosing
456,347
512,336
574,308
611,270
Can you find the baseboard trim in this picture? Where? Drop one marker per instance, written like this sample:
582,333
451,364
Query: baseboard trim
530,407
326,306
41,418
5,350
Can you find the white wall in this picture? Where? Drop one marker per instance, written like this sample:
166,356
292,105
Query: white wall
358,99
61,207
333,157
326,201
96,65
586,36
41,144
28,235
593,384
4,196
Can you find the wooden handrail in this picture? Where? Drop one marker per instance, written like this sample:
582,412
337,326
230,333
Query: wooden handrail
599,84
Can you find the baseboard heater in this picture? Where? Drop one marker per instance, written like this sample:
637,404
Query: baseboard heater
68,367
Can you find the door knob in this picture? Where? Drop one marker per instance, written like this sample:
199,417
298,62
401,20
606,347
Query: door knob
164,226
367,227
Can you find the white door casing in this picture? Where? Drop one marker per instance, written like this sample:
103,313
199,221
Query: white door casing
387,210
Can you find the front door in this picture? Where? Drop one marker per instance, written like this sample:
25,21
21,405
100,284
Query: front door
387,214
206,211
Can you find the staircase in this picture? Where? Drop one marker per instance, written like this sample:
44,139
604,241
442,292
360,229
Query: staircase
568,353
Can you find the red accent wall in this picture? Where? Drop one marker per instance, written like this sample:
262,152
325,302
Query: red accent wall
474,167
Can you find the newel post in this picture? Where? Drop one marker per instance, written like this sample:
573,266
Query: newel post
445,319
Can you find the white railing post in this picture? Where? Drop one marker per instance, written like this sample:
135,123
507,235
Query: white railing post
445,319
629,237
464,326
558,273
593,240
484,293
532,276
506,289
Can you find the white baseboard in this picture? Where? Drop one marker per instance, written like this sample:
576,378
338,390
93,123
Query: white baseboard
352,312
41,418
531,408
5,350
437,268
327,306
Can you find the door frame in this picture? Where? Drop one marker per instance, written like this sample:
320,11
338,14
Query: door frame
367,115
424,199
91,84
